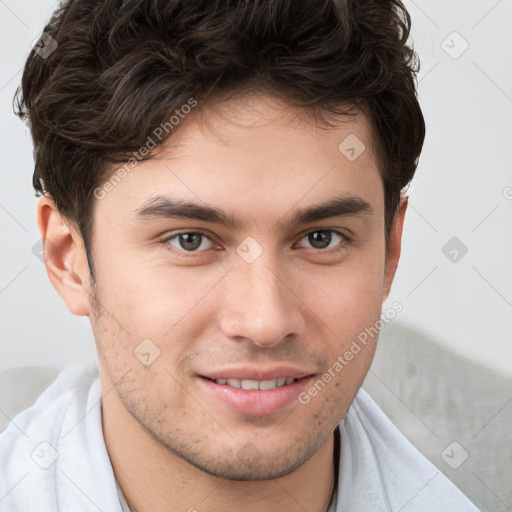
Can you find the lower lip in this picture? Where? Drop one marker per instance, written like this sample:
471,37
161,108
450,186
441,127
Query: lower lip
250,401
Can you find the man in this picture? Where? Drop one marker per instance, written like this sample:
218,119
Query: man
221,189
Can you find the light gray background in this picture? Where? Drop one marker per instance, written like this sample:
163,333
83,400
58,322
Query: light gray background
461,191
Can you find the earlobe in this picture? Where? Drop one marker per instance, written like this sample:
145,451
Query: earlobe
64,257
395,246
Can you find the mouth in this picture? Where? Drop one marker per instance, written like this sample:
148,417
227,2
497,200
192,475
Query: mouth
255,396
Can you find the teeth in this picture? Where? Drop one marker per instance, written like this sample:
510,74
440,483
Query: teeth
269,384
261,385
250,384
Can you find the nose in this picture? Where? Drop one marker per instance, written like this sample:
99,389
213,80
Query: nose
260,304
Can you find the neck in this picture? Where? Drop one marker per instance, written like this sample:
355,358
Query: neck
151,477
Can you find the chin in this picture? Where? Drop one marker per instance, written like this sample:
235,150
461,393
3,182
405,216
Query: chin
248,463
246,470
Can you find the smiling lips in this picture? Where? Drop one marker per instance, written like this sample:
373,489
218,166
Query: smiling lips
252,390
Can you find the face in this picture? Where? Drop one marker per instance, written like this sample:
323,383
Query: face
268,292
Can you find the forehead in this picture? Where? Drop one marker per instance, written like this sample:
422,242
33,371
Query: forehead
254,155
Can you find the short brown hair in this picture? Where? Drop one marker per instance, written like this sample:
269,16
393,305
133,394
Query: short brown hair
121,68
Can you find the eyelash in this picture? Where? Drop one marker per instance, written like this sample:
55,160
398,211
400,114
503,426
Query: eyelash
183,252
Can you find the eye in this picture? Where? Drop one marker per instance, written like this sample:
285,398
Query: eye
322,238
189,241
196,241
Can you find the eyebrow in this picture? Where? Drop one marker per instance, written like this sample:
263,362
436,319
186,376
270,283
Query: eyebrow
167,207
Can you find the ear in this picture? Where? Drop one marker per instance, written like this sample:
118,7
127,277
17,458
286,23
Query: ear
394,246
64,257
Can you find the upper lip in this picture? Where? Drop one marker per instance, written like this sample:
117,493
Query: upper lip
257,373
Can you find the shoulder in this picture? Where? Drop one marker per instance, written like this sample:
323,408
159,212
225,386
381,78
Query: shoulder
66,394
379,465
55,446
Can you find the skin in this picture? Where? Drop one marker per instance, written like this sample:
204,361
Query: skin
297,303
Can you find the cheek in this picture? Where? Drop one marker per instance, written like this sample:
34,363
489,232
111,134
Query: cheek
349,299
350,308
351,316
148,300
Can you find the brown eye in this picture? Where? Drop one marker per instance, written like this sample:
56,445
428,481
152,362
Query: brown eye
189,241
322,238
